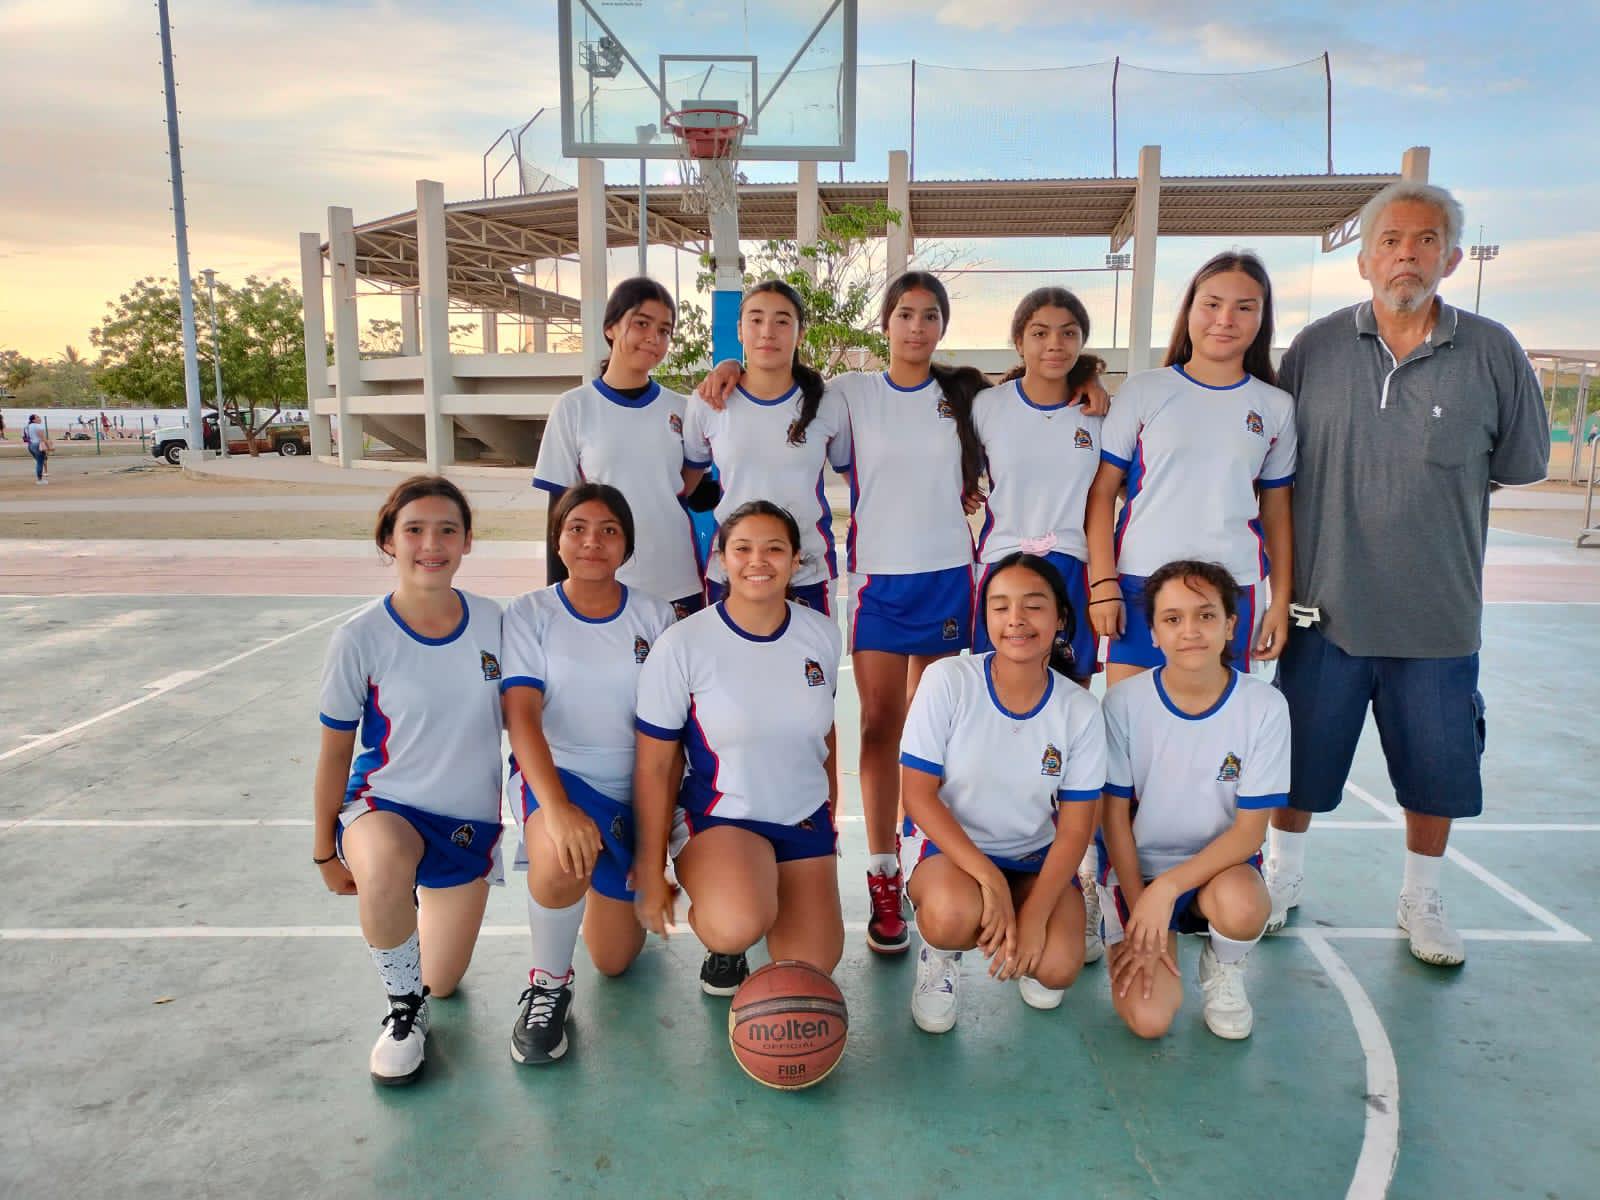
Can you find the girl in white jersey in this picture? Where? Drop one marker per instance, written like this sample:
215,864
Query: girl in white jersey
573,654
413,827
1197,756
773,437
746,690
627,430
1206,446
1003,762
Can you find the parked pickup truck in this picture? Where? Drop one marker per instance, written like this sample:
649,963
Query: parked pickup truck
285,439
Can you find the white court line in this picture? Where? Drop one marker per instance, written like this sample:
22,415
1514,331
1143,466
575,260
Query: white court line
211,822
1388,933
1485,876
1380,1139
1476,826
162,686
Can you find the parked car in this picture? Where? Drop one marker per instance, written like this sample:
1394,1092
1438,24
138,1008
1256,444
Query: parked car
287,439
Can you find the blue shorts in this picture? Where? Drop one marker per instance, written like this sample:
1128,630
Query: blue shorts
814,837
454,850
807,595
1430,720
689,605
926,613
1136,649
1028,864
1186,915
615,822
1085,645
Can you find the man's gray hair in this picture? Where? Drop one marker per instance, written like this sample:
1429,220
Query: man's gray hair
1421,193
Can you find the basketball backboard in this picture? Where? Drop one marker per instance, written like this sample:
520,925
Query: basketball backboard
789,66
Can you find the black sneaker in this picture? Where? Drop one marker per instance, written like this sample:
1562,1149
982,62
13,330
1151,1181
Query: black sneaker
540,1034
721,974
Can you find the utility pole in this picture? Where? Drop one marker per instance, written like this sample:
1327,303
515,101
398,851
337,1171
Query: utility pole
191,357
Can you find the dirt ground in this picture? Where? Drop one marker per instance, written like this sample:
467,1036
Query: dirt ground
145,478
491,525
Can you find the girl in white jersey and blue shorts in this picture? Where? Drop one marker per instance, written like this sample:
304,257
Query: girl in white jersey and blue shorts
1206,447
573,654
744,690
1197,756
625,429
412,827
772,437
1003,762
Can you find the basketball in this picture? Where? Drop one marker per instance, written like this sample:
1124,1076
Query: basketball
787,1025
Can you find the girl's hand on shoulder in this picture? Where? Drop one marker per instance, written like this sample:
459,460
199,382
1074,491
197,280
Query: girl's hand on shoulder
972,501
337,877
716,387
1274,633
1095,399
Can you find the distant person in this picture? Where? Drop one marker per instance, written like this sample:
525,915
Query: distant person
2,426
33,437
1407,411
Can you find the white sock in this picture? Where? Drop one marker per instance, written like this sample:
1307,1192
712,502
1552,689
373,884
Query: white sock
883,864
1288,851
1422,872
1229,951
400,967
555,937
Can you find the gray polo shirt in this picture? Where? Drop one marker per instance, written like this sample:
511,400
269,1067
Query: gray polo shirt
1391,498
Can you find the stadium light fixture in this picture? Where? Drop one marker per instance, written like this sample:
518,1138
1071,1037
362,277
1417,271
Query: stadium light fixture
1482,253
1117,264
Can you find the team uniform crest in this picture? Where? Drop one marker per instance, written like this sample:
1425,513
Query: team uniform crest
1231,766
619,830
797,436
1253,423
814,675
490,665
1081,439
680,610
952,629
462,836
641,649
675,423
946,409
1050,764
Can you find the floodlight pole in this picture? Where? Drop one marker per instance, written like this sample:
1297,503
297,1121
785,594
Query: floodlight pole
1481,254
216,359
191,357
1117,263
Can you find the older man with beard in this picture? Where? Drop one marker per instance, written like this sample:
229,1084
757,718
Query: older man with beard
1407,410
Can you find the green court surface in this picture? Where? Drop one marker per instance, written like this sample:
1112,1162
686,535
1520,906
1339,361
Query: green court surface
189,1012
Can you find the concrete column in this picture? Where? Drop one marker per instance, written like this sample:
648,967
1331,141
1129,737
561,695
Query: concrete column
1146,220
491,331
1414,164
899,236
316,343
592,261
410,342
807,213
432,263
346,329
541,337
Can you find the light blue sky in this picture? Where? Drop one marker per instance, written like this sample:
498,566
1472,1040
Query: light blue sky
290,107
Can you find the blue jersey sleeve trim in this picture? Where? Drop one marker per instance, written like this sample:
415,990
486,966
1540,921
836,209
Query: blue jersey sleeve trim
1072,795
696,466
1281,481
335,723
921,764
1118,789
548,485
521,681
1274,800
1122,464
655,731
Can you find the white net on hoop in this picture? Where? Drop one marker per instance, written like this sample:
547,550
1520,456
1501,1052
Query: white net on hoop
708,157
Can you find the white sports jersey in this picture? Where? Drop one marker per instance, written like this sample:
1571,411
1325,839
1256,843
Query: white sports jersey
598,434
1002,773
905,478
588,669
753,713
1189,775
1194,455
749,442
1041,463
428,709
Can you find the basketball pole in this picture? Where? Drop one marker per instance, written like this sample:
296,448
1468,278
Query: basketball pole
727,268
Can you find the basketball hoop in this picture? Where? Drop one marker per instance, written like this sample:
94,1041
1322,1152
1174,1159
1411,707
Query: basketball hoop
708,152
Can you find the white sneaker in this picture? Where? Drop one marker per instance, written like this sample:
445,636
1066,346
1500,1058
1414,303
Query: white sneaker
1228,1012
933,1002
1036,995
1433,939
1284,889
1094,946
397,1056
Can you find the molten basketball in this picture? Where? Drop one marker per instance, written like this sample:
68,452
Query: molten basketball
787,1025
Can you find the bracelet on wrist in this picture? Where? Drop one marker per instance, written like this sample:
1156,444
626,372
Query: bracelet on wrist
1108,579
1107,600
324,861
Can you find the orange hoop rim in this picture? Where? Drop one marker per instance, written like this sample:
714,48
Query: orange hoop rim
707,141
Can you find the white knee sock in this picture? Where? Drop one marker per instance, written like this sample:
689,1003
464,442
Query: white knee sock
1229,951
883,864
555,936
400,967
1287,850
1422,872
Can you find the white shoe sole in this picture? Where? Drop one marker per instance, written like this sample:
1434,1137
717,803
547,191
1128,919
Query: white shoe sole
398,1080
559,1051
1233,1035
1044,1000
933,1025
1439,959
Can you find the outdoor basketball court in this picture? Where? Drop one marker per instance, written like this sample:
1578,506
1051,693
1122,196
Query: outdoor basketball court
191,1012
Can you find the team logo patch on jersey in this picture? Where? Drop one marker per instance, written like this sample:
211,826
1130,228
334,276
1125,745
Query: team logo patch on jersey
946,409
680,610
1081,439
1231,766
1253,423
641,649
462,836
619,829
952,629
1051,763
675,423
796,435
490,664
814,675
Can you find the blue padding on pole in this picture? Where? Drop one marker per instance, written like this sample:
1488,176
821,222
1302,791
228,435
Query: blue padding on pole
724,325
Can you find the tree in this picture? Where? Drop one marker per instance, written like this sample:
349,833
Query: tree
384,338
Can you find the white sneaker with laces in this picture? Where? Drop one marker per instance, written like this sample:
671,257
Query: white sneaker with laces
1036,995
397,1056
1433,939
1094,946
1227,1007
933,1001
1284,889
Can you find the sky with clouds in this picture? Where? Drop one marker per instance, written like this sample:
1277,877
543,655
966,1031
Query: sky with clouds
290,107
